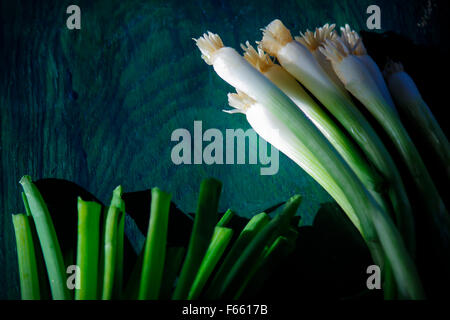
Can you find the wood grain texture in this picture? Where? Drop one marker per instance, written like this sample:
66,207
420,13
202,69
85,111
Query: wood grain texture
97,106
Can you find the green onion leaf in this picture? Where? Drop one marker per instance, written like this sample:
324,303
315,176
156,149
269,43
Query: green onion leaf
87,249
204,223
252,253
118,281
110,243
219,242
48,239
247,234
28,272
225,218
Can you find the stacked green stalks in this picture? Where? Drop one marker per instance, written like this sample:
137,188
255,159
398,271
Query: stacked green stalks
207,268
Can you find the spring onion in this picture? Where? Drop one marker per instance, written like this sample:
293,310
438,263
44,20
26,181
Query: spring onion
42,272
313,40
356,46
110,244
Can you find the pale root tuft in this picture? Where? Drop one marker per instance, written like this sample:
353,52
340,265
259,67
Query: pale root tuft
392,67
334,50
208,44
258,59
239,101
313,40
275,36
353,41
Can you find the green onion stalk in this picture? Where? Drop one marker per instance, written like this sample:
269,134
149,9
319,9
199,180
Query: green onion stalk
203,229
28,272
47,237
155,246
256,223
44,284
89,213
226,218
280,122
110,244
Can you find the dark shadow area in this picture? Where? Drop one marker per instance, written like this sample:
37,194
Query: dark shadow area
329,262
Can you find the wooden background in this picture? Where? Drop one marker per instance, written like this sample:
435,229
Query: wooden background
97,106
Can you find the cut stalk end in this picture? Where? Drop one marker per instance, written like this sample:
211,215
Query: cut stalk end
240,101
25,179
352,41
208,44
334,50
313,40
258,59
275,36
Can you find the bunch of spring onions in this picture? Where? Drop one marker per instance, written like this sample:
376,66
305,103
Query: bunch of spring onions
212,267
352,164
